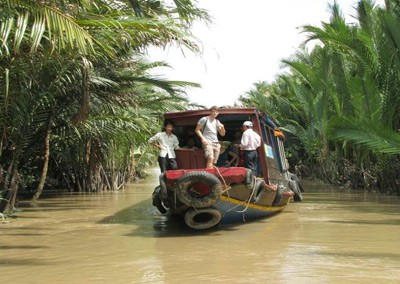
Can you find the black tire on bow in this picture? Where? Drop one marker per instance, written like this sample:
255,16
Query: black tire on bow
258,191
163,190
157,200
278,196
202,218
249,179
294,186
198,189
295,178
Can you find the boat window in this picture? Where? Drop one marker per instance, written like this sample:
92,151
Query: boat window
270,134
270,137
275,148
283,164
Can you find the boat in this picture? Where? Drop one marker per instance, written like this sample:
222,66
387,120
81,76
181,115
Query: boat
210,197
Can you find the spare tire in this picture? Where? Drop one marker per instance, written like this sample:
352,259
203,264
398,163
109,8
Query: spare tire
294,186
198,189
258,191
163,190
203,218
295,178
249,179
157,200
278,196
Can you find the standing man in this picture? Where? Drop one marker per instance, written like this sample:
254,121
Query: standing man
249,143
207,129
167,142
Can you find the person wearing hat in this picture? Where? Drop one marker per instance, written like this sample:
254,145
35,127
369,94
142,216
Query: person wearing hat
207,130
248,144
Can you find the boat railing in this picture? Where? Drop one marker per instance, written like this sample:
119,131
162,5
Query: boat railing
190,159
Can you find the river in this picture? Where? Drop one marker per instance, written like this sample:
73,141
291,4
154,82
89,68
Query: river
334,236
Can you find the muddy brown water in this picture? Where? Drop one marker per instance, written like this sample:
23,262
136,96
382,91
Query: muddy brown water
334,236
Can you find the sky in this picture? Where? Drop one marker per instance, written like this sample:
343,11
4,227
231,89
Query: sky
244,45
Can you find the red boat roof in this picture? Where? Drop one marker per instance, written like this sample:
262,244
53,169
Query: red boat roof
204,112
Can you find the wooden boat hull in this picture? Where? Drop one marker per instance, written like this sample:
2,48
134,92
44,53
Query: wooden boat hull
234,211
242,197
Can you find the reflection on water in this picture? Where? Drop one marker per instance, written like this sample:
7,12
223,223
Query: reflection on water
332,237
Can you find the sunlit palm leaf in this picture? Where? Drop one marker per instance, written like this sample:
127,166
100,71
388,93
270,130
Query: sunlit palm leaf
369,134
31,20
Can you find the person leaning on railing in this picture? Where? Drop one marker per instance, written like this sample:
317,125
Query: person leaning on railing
167,142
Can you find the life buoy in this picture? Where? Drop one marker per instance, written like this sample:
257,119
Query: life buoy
203,218
298,196
198,189
258,191
157,200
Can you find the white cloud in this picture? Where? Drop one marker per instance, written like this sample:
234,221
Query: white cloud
245,44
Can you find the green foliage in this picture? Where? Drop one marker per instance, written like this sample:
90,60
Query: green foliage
339,103
78,69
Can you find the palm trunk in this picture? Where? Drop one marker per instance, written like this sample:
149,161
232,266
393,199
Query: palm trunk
83,112
4,199
8,188
45,160
132,165
105,177
13,189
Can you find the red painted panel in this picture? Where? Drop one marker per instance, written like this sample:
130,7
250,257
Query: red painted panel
227,175
190,159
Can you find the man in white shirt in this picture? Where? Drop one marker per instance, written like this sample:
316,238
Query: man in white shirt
248,144
167,142
207,129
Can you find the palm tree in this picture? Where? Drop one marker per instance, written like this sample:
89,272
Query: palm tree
51,53
344,107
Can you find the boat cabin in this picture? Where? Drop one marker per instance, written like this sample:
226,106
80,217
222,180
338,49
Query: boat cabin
272,163
227,193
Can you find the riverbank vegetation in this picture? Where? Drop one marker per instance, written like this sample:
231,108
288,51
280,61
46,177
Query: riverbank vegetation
78,100
339,103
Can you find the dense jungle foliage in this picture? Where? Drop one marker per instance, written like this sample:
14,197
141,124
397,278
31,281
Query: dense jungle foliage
339,103
78,101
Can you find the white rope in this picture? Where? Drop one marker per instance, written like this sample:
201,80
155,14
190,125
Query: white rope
250,197
226,187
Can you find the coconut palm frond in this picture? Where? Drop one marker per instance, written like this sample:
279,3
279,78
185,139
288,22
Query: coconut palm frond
32,24
370,135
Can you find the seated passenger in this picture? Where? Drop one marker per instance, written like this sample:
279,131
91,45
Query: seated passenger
236,142
190,145
227,157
